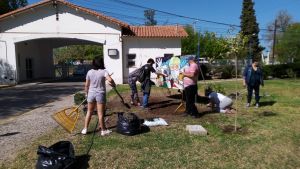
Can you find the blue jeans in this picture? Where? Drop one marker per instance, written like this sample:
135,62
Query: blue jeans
145,99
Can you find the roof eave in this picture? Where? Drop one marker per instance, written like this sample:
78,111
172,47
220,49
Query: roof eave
73,6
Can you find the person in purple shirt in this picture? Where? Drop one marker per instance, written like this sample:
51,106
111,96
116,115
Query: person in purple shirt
96,94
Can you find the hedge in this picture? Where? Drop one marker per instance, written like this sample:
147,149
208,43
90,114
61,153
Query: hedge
290,70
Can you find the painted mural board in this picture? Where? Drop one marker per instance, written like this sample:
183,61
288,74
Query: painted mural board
171,66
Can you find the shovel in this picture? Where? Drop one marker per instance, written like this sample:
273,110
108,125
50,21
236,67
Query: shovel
122,100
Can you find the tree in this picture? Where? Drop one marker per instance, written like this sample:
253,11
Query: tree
149,15
211,46
10,5
288,47
77,52
189,44
237,46
249,29
283,20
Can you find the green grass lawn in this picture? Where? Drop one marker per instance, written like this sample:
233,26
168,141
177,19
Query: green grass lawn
269,138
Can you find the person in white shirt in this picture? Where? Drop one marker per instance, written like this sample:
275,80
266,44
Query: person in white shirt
220,102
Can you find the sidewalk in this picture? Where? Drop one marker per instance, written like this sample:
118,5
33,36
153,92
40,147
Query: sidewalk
5,86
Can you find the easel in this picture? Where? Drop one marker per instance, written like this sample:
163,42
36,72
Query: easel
182,103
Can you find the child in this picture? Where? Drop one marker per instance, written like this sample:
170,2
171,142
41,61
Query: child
96,94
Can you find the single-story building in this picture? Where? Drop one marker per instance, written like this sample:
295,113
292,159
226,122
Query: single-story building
28,36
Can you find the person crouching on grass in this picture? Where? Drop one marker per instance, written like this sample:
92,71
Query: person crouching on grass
219,102
96,94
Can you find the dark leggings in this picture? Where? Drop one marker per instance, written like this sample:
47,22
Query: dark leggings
250,92
190,93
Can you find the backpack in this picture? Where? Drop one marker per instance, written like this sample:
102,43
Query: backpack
139,74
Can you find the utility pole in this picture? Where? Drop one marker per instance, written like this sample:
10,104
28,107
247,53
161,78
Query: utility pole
274,42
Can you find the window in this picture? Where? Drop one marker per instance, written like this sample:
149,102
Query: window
131,60
29,71
168,55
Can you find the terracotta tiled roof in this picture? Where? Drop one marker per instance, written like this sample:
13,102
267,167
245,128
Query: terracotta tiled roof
45,2
157,31
137,31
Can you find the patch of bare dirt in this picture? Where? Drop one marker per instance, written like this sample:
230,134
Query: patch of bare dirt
230,129
161,104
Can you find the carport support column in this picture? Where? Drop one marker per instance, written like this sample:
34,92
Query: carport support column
12,61
114,64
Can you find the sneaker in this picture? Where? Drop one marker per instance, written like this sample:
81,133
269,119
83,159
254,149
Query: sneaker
145,108
105,132
256,105
248,105
84,131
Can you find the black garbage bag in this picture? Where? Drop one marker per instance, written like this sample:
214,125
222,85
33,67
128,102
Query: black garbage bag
58,156
128,124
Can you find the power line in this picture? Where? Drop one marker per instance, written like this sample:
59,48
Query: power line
177,15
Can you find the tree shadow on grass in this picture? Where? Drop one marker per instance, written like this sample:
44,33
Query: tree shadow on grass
267,113
9,134
199,99
164,105
267,103
160,103
81,162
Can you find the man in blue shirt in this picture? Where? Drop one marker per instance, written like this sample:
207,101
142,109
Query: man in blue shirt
253,78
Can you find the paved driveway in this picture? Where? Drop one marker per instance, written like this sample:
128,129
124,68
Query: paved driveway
22,98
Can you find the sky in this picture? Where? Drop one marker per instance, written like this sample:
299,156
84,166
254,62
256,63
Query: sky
223,11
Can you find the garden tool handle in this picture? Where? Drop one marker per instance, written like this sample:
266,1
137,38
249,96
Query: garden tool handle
122,100
80,104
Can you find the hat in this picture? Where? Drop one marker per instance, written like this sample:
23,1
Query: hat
191,58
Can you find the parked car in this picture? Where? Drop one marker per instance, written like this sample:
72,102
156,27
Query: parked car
79,71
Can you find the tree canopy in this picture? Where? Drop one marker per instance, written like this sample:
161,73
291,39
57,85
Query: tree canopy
288,47
250,29
77,52
149,15
10,5
211,46
283,20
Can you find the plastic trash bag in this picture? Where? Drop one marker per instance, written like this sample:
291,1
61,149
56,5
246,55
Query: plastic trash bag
58,156
128,124
155,122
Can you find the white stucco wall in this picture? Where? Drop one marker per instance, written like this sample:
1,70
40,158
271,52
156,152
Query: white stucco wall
41,23
146,48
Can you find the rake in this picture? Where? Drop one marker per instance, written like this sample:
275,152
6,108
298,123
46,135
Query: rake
68,117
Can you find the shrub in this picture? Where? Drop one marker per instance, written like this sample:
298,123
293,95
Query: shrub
79,97
214,87
282,70
205,68
227,71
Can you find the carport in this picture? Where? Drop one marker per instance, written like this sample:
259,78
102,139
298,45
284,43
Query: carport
29,35
35,57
